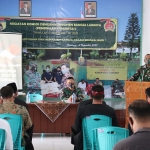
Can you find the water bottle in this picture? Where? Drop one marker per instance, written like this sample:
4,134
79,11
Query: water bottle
28,98
73,98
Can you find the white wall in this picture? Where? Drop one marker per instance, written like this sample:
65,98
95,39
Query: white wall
145,30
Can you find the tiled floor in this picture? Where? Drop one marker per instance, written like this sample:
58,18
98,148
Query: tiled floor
52,142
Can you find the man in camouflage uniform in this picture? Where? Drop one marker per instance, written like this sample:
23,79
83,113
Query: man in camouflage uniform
70,88
143,72
32,78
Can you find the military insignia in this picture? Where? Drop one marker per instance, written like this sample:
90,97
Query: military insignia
109,26
2,24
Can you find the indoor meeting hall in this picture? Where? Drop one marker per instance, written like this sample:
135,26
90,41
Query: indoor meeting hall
74,75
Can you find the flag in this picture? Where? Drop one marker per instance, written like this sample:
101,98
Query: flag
82,15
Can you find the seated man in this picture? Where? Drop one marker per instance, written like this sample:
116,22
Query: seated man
80,105
82,85
8,139
147,93
116,87
22,103
87,102
139,119
67,92
17,100
8,106
98,82
95,108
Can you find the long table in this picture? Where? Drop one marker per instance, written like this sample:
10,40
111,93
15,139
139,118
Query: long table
42,124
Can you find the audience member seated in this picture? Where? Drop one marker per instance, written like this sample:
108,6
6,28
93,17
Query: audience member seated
88,88
87,102
67,92
139,119
98,82
17,100
116,87
8,140
82,85
23,103
80,105
147,93
8,106
95,108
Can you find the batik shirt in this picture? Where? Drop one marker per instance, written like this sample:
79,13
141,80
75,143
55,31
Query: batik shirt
143,73
67,92
11,107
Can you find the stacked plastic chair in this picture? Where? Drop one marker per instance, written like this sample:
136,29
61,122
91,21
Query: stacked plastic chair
2,139
15,122
35,97
107,137
91,122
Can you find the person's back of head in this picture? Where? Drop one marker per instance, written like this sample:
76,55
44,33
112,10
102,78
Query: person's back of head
13,86
139,114
7,92
97,92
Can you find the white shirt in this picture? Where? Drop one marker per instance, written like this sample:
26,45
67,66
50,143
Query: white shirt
9,141
82,85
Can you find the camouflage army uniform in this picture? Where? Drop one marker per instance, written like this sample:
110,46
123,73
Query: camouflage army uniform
32,78
143,72
11,107
67,92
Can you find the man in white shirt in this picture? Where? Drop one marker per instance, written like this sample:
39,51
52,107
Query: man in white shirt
82,85
8,142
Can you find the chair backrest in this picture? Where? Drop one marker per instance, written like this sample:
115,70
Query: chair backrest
35,97
15,122
2,139
91,122
107,137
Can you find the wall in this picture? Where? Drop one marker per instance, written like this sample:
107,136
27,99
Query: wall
145,29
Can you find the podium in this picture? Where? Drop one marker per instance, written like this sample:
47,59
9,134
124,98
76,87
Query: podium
134,90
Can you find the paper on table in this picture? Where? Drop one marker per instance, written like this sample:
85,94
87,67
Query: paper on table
47,88
67,101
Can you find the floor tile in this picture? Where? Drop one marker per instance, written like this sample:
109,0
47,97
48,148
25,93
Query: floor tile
52,142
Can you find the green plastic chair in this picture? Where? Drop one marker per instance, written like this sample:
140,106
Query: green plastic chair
91,122
107,137
35,97
2,139
15,122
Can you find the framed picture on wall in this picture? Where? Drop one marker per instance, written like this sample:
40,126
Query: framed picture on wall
90,9
25,8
